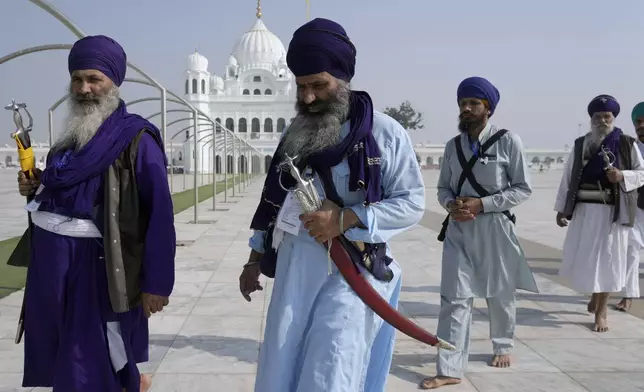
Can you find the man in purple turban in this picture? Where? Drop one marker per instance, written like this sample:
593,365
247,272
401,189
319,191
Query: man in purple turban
320,336
598,195
102,240
483,176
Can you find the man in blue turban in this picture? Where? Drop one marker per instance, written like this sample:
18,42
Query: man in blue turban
102,240
320,336
598,195
483,176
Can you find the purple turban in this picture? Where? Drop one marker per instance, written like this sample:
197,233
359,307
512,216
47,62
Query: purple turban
100,53
479,88
603,103
321,45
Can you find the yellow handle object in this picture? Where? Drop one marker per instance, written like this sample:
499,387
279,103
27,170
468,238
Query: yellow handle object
26,157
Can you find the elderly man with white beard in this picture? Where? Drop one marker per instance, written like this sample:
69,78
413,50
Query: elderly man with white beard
319,334
102,241
598,195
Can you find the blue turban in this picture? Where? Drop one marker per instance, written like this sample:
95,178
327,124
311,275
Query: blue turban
603,103
321,45
479,88
100,53
638,111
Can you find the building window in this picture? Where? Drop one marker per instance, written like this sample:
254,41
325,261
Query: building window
257,79
243,127
218,125
268,125
187,135
246,92
203,86
255,125
187,86
257,92
194,86
230,124
281,124
268,92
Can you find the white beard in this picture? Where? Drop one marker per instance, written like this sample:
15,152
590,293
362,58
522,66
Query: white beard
84,120
598,133
310,133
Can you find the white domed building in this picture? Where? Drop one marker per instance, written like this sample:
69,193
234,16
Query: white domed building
254,96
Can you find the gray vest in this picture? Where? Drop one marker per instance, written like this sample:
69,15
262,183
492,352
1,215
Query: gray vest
625,163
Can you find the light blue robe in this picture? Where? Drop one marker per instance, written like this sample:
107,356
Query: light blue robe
319,336
482,257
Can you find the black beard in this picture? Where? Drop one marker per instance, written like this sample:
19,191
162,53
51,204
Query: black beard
640,134
467,125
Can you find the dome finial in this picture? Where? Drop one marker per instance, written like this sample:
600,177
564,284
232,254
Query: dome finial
259,9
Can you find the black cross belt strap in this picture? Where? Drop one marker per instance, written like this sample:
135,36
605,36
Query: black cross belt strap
466,173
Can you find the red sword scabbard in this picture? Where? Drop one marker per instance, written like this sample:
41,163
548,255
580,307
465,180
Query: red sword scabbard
373,300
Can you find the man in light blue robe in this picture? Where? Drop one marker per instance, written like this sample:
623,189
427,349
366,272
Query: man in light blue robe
482,256
320,336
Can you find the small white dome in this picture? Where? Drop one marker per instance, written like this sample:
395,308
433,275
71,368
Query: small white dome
282,60
232,61
217,82
259,46
197,62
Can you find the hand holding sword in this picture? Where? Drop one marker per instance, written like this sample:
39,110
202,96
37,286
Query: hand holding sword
613,174
27,179
310,200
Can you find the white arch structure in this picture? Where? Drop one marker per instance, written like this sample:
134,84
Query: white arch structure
243,146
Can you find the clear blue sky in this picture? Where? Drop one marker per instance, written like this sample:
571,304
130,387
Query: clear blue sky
548,58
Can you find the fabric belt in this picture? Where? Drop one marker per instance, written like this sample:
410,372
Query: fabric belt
70,227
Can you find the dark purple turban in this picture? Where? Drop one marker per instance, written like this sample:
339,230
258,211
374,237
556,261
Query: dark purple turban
101,53
321,45
603,103
479,88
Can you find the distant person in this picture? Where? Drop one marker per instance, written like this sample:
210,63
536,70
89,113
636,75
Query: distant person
103,239
484,174
636,240
598,195
320,336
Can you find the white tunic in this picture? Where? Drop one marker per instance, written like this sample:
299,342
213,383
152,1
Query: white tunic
594,251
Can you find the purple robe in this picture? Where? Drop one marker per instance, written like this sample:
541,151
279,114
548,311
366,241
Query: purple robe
66,300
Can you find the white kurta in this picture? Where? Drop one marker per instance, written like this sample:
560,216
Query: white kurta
319,336
595,249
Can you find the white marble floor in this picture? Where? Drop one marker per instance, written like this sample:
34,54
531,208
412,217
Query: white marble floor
208,339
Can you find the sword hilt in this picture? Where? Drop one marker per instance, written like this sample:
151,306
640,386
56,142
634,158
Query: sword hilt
22,138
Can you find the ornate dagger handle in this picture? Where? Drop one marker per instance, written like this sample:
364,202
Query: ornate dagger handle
609,158
22,138
305,189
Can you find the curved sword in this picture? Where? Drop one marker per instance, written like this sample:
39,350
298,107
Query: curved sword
307,195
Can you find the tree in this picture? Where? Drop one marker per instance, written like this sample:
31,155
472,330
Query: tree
409,118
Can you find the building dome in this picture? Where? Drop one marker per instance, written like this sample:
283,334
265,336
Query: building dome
232,61
197,62
258,46
217,82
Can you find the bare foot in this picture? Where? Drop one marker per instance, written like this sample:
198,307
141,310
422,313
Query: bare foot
438,381
146,382
501,361
624,305
601,313
592,305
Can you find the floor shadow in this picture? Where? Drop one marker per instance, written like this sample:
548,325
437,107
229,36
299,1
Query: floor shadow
401,362
245,350
419,309
421,289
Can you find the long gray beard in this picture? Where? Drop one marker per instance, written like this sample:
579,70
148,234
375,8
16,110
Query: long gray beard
84,119
310,133
598,133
